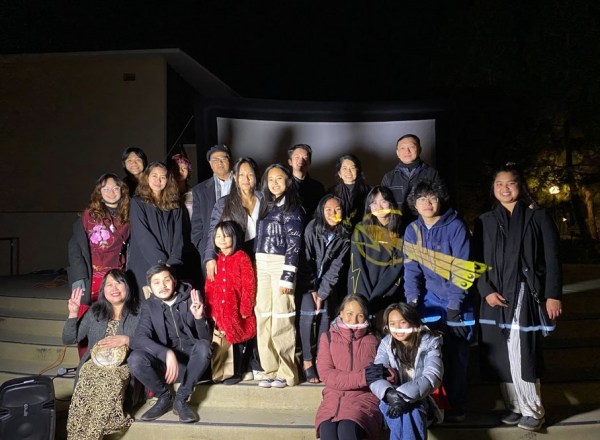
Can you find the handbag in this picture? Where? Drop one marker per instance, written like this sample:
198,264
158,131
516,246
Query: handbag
222,357
108,357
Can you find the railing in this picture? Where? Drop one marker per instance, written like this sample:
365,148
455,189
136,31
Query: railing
14,254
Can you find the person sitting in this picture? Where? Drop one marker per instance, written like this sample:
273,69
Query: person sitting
415,353
174,340
109,325
346,353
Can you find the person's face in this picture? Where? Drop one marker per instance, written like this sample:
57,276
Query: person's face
245,179
134,164
277,181
162,285
407,150
157,179
428,206
352,313
397,322
332,211
219,164
223,241
381,208
299,160
348,172
111,192
115,291
183,171
506,188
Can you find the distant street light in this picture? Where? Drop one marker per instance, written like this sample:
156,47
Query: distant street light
554,190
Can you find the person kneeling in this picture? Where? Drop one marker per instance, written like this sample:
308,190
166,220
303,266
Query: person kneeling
175,337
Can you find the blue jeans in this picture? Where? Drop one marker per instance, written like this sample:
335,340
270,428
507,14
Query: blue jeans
411,425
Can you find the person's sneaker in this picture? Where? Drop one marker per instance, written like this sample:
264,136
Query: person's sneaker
266,383
185,413
530,423
160,408
232,380
279,383
510,418
249,375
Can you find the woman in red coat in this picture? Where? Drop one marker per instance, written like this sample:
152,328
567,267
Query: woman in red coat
349,410
231,294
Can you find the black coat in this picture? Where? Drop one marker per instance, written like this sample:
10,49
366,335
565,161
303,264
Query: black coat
80,260
156,238
538,264
204,199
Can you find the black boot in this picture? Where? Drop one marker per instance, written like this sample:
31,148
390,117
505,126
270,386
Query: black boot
161,407
183,410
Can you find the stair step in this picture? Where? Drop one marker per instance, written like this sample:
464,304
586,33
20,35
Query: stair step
42,308
38,331
37,353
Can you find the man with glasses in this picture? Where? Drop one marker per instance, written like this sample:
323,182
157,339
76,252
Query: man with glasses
409,171
206,193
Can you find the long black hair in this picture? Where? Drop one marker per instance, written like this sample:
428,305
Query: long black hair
394,226
230,229
321,225
353,198
102,309
233,208
292,199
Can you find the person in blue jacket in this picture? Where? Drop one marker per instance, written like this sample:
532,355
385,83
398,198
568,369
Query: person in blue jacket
434,245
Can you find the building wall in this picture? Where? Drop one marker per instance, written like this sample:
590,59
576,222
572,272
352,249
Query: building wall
65,121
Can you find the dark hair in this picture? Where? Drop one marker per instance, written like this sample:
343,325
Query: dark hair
395,224
524,193
425,188
292,199
353,199
405,354
362,302
414,137
102,309
169,196
321,225
230,229
305,147
97,207
138,152
158,268
233,208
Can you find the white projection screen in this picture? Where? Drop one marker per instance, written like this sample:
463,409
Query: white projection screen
264,130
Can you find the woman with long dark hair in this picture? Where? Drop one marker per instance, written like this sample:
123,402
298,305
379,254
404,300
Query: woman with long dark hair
414,351
134,162
376,251
102,375
521,292
351,187
156,223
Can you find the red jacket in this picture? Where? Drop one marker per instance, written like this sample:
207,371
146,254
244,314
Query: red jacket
341,365
231,295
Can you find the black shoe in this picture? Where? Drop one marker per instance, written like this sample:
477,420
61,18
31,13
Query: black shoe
160,408
232,380
185,413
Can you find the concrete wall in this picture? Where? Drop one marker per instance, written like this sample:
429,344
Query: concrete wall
65,120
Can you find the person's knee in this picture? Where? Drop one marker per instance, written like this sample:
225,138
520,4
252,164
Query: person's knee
138,360
202,349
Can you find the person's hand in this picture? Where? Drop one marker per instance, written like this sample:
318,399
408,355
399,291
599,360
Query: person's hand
285,290
494,299
172,367
375,372
197,307
455,323
75,302
318,302
396,402
114,341
554,308
211,269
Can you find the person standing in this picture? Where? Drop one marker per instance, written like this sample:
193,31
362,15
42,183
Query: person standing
521,292
409,171
310,190
206,193
134,162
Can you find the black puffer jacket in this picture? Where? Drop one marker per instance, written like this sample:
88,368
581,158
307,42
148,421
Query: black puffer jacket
280,233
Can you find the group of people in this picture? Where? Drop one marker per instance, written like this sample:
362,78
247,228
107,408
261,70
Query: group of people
371,283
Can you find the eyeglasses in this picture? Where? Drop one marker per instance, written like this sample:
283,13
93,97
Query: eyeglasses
219,160
430,200
112,189
381,203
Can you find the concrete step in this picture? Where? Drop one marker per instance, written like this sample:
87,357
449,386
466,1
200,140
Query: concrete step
38,331
40,308
37,354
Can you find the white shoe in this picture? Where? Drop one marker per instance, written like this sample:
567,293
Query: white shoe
259,375
266,383
248,376
279,383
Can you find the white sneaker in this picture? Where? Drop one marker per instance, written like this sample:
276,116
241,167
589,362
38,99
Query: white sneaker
248,376
259,375
266,383
279,383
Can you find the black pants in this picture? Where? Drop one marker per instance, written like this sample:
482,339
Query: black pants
307,318
150,370
342,430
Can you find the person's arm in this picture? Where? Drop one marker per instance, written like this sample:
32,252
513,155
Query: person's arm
248,285
292,228
460,243
145,335
330,277
197,220
431,377
358,281
176,250
331,376
413,274
379,387
479,253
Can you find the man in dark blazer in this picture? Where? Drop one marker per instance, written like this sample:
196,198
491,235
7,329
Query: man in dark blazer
206,193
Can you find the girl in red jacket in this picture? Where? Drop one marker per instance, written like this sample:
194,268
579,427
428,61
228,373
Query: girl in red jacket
230,296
